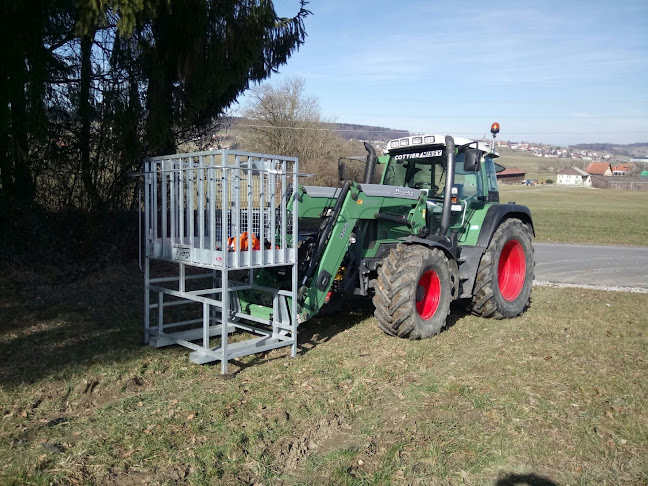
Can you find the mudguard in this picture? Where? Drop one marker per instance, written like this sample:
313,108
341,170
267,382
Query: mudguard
498,213
433,241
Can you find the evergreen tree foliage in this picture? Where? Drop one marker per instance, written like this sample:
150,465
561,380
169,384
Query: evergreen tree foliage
88,87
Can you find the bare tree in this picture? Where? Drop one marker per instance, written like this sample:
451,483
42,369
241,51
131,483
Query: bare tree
284,120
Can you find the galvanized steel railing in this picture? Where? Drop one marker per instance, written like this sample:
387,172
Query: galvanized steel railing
225,211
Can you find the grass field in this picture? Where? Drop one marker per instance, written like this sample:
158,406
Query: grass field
584,215
557,396
535,167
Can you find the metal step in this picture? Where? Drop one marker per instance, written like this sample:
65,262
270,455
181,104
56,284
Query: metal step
159,340
242,348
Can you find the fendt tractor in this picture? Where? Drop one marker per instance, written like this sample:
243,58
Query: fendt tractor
430,232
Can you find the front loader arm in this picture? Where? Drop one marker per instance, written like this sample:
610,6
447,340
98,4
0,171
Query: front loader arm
333,243
348,206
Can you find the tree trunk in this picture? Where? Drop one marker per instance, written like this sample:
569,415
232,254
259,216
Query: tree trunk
6,172
23,183
85,115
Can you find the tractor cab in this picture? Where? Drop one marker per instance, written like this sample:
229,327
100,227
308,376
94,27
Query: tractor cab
422,161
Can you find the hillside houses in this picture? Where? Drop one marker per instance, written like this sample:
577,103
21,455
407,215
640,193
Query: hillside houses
602,175
551,152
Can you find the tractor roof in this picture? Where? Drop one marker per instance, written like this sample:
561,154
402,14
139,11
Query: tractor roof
430,140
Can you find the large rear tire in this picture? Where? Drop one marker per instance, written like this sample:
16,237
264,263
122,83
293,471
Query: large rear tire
413,292
505,275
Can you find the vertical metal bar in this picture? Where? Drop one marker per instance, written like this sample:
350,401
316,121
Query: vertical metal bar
190,204
201,208
147,299
160,310
181,203
250,211
225,208
153,172
224,318
262,208
181,277
205,325
163,201
224,271
212,212
284,219
215,283
295,266
236,212
272,187
172,198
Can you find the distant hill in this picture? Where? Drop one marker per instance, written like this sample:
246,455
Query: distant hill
368,132
628,150
351,131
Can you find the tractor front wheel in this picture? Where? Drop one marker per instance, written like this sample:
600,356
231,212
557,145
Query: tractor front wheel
505,275
413,292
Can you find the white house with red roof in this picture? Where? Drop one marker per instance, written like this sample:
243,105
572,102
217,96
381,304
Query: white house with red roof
573,176
599,168
623,169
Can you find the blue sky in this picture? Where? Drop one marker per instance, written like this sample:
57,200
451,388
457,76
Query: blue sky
555,72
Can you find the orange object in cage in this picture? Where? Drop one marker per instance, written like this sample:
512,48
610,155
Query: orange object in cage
243,242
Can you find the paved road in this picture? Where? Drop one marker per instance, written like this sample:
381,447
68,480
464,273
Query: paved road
592,265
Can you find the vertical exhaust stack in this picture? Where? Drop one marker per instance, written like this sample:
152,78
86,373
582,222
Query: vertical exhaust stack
445,215
370,168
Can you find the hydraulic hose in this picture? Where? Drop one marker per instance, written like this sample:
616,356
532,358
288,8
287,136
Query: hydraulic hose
326,232
447,198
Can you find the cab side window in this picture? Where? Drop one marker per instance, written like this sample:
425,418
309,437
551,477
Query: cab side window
467,183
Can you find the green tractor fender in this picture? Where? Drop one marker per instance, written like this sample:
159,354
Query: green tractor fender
433,241
470,256
496,215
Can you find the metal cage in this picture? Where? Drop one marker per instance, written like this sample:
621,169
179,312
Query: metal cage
224,211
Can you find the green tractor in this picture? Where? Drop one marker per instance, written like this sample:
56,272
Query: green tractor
433,231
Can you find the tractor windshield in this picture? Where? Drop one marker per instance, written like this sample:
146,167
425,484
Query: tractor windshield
411,170
429,173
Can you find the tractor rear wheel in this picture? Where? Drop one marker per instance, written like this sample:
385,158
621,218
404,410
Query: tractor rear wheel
413,292
505,275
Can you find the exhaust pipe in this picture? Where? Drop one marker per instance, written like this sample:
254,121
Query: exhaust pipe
370,168
447,198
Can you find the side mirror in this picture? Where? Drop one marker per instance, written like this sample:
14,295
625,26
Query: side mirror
341,171
471,160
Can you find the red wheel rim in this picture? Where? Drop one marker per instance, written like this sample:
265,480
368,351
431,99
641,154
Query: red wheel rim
428,294
511,270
